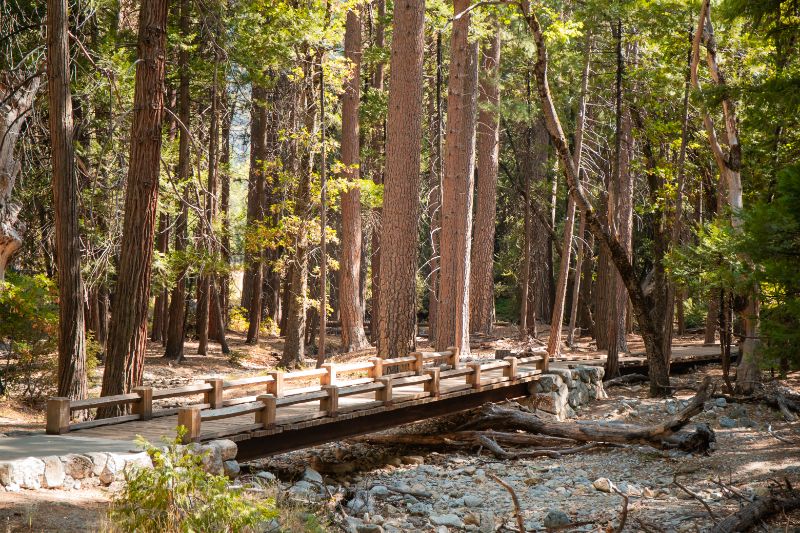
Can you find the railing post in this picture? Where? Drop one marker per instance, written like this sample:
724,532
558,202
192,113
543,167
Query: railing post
189,417
418,364
432,386
474,377
330,404
57,416
330,377
455,355
214,396
144,407
268,414
377,370
511,370
385,394
275,387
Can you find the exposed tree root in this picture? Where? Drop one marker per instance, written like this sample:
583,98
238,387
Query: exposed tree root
627,379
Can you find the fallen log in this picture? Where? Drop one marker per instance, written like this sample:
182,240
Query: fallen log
662,435
627,379
465,438
750,515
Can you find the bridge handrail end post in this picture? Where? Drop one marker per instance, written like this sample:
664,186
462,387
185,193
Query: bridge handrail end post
58,415
189,417
144,407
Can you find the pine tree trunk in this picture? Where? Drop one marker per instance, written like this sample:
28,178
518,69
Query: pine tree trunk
224,205
161,306
255,205
177,323
350,310
72,382
458,182
488,146
398,267
128,329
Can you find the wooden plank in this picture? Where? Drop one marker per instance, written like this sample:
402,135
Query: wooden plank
104,401
181,391
302,398
244,382
360,389
302,374
229,412
158,413
103,422
354,367
411,380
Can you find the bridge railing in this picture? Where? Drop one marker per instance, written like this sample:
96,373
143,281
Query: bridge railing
283,389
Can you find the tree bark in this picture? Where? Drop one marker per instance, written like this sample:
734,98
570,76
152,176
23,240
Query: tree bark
350,309
16,95
72,381
177,324
397,277
255,205
161,306
452,328
128,329
488,147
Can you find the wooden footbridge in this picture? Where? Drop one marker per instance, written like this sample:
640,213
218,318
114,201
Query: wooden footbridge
282,411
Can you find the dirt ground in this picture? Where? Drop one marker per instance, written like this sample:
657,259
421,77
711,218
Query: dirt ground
745,457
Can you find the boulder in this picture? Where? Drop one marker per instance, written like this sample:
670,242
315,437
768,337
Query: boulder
54,474
99,460
227,448
603,484
449,520
212,459
312,476
231,469
113,470
78,466
26,473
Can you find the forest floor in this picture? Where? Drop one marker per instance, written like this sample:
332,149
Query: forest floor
453,488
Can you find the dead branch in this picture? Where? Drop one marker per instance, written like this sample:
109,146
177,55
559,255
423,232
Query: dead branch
782,439
662,435
623,517
515,501
696,497
752,514
627,379
465,438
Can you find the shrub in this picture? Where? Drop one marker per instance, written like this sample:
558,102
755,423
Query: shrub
177,495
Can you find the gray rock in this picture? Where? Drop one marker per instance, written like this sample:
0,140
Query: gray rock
231,469
360,503
738,411
746,422
419,508
77,466
137,460
564,373
556,518
266,476
99,460
549,383
369,528
487,522
54,475
379,490
726,422
227,448
304,490
471,500
312,475
212,459
449,520
113,469
26,473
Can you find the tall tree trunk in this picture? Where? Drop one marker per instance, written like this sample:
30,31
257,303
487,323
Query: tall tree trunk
457,187
557,317
435,186
255,206
71,329
177,324
294,347
128,330
378,149
161,306
16,95
488,147
224,204
397,302
576,284
350,310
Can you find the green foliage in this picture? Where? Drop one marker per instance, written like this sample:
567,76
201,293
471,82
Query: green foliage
772,240
177,495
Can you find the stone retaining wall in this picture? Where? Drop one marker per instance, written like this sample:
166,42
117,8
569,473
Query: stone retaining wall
93,469
563,390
